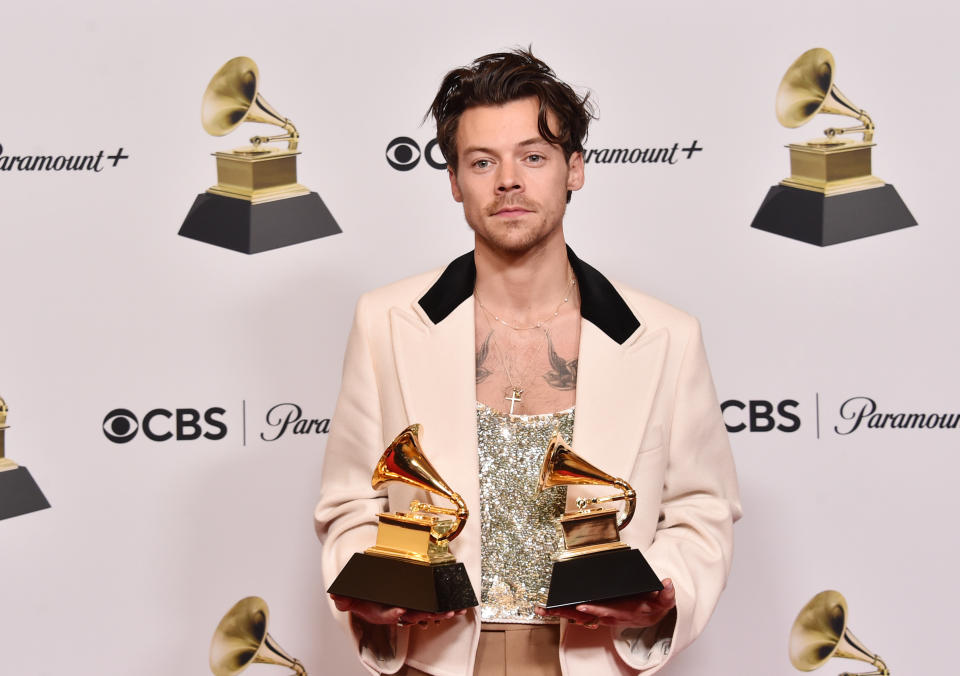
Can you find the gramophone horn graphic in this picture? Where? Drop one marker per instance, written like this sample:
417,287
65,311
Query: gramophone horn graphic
820,633
257,204
241,639
831,195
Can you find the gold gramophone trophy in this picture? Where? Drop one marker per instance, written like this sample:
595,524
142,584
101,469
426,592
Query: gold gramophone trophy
241,639
411,566
831,195
820,633
19,493
257,204
594,564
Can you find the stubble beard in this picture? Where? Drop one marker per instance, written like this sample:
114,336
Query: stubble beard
513,237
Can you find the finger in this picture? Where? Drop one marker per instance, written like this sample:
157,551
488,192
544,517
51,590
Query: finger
378,614
668,597
572,614
605,612
341,602
416,616
629,603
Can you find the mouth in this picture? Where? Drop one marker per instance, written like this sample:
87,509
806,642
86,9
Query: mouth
511,212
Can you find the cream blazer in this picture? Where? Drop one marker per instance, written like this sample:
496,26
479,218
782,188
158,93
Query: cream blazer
646,410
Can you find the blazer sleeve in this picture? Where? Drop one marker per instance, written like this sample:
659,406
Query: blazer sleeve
346,516
693,543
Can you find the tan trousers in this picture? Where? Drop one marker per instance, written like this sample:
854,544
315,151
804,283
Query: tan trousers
513,650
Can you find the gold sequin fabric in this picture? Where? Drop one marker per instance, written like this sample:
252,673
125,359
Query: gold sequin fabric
518,531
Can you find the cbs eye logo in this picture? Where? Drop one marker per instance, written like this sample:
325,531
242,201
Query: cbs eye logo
403,154
121,425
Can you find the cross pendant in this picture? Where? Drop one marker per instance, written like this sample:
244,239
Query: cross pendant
514,398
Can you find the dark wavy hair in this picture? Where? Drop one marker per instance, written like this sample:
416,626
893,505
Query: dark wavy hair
496,79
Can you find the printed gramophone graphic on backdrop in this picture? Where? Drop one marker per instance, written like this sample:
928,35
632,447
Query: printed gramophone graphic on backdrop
411,566
831,195
820,633
594,564
19,493
241,639
257,204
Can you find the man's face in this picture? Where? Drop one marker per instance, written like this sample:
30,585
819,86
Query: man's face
513,184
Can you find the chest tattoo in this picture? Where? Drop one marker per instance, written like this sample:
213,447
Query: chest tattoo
563,373
482,353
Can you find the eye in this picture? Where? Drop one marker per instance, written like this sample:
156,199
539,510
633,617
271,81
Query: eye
403,153
120,425
535,158
481,164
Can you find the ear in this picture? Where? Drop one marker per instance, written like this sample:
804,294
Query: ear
454,188
575,171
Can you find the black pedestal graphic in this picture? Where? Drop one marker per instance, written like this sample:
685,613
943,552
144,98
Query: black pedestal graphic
19,493
405,584
600,577
820,219
251,228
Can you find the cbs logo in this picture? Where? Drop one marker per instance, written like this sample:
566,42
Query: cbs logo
760,415
403,154
121,425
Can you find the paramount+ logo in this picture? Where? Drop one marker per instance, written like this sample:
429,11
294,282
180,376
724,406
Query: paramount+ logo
183,424
94,162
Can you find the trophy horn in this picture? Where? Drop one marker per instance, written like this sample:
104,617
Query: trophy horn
808,88
232,97
405,461
563,467
820,632
241,639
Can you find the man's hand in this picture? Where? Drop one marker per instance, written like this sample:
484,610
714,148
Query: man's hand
643,610
377,613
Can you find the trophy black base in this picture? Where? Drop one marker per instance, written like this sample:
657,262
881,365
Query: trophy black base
405,584
600,577
251,228
823,220
19,494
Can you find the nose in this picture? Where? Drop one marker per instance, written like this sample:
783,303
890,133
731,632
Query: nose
508,179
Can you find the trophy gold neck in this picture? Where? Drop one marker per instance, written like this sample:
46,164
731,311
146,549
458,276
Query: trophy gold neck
5,463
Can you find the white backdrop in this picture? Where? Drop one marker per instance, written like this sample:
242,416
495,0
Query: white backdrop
148,543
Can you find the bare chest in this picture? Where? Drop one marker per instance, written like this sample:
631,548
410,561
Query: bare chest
527,371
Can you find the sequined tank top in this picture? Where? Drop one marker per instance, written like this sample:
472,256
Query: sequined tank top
518,533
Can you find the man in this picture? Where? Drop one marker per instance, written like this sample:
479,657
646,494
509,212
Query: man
554,345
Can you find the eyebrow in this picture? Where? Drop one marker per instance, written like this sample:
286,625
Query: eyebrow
534,140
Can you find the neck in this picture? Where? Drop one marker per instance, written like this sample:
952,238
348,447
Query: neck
523,286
